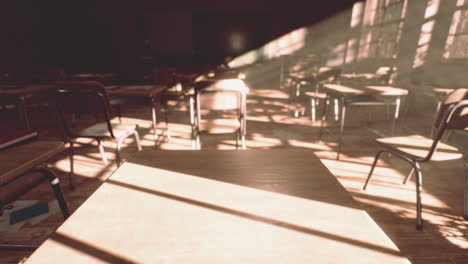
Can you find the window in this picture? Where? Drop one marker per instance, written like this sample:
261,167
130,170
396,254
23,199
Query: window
425,35
382,24
456,46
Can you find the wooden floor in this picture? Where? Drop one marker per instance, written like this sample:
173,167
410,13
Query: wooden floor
271,125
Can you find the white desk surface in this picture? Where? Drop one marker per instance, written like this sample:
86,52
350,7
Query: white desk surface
379,90
252,206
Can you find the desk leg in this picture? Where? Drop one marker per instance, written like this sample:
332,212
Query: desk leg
23,112
336,105
465,166
164,100
70,155
312,108
324,115
198,121
102,151
343,116
192,119
153,114
397,113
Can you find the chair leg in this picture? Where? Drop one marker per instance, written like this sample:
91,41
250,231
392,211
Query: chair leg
137,140
70,175
417,168
377,156
117,150
439,105
55,184
343,115
408,176
324,115
465,165
103,153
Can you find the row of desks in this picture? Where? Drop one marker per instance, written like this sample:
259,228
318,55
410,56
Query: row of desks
262,206
119,94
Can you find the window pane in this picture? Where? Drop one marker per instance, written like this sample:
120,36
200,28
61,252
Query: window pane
459,48
463,22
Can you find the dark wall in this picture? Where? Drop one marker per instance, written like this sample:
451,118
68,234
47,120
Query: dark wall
84,36
218,35
108,35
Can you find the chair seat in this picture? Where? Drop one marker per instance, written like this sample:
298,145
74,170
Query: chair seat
219,126
316,95
100,130
418,147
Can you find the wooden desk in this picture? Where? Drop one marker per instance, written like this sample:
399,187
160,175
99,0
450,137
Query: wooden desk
348,91
252,206
104,78
15,162
364,96
123,94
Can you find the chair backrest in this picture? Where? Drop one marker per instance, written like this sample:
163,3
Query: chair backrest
225,94
384,73
222,96
328,74
459,118
453,114
82,98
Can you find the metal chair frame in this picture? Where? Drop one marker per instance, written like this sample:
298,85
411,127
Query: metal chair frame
195,114
414,161
55,184
98,91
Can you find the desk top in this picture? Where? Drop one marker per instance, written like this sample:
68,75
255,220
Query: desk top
135,90
439,92
20,159
252,206
18,90
360,75
380,90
